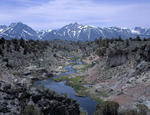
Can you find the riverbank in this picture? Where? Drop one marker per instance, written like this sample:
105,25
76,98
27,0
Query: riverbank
101,93
71,87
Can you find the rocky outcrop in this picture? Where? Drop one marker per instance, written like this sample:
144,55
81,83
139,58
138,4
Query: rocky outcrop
143,66
143,53
19,99
116,57
122,75
119,54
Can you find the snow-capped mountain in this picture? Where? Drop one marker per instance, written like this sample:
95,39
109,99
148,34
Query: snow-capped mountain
143,31
77,31
18,30
73,31
2,28
41,33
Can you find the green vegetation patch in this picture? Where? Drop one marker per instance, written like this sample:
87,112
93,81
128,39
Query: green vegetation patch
143,109
79,88
63,78
85,67
103,93
78,79
77,56
76,83
82,113
72,63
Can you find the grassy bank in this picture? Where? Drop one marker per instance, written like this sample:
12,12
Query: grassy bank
81,68
76,83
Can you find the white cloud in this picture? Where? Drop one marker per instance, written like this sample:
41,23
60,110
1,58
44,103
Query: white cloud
57,13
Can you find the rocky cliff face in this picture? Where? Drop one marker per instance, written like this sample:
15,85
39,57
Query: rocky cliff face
120,54
116,57
121,73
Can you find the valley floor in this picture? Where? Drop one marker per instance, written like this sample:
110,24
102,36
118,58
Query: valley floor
116,76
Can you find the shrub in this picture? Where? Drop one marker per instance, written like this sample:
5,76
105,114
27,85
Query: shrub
16,45
138,38
30,110
8,45
131,112
107,108
2,41
1,52
22,42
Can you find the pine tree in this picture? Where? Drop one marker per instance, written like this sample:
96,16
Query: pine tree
1,52
22,42
120,39
2,41
138,38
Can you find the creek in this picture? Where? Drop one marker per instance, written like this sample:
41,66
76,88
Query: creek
86,103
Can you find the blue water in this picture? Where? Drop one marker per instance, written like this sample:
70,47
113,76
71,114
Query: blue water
60,87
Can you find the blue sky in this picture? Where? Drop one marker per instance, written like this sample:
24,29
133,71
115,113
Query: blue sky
51,14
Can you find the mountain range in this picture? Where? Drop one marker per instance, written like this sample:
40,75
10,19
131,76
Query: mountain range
73,31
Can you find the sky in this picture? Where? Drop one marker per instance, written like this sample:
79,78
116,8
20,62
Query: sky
53,14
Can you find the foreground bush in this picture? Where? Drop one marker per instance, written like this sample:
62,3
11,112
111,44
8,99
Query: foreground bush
107,108
30,110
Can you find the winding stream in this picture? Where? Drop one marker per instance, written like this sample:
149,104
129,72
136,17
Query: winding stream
85,103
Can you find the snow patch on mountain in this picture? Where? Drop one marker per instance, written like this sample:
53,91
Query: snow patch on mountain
1,30
73,31
134,31
27,33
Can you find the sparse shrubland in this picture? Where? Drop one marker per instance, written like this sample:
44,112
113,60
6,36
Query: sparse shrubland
117,69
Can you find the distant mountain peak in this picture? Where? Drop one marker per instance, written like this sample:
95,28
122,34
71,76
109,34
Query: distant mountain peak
75,23
18,30
72,31
16,23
